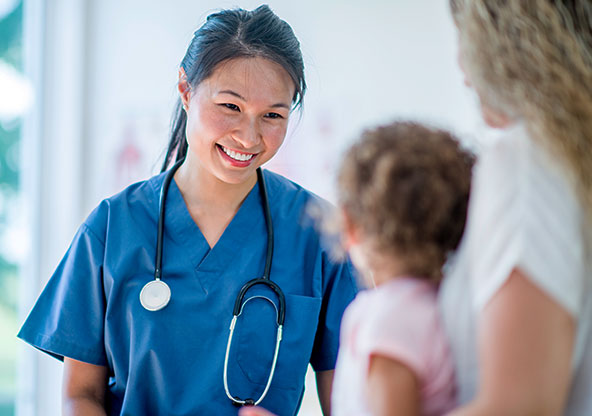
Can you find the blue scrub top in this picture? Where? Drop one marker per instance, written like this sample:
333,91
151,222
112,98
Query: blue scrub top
170,362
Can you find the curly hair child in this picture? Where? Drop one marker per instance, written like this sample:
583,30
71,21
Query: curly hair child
403,190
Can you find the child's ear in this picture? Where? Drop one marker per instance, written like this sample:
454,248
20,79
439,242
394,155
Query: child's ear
351,233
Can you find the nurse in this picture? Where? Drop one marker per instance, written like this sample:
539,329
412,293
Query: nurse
239,81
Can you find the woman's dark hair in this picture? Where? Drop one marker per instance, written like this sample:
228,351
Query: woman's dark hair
231,34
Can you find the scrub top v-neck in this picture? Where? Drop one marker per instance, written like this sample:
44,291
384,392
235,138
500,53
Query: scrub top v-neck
171,361
182,228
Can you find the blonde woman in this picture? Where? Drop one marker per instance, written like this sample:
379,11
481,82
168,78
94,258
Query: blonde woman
517,304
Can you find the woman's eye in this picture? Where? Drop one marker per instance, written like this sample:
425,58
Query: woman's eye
273,115
233,107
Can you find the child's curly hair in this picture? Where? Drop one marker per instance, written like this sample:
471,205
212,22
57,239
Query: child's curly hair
407,187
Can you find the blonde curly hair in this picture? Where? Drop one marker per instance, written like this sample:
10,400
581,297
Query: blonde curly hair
532,59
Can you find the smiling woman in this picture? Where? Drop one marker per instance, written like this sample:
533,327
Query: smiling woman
238,83
245,117
236,121
214,47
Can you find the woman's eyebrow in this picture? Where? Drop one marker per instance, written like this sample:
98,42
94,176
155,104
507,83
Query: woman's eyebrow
281,105
237,95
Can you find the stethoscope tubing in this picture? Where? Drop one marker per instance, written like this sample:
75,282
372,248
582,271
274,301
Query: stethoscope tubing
162,203
268,223
278,340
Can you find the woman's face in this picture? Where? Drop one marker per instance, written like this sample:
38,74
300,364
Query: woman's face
237,118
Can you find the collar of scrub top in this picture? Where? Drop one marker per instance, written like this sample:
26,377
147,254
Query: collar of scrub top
159,296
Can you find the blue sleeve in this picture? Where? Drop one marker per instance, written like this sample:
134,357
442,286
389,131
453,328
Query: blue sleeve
339,289
68,318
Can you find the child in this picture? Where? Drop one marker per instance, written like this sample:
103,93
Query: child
403,191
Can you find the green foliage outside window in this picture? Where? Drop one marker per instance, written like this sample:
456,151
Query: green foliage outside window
10,131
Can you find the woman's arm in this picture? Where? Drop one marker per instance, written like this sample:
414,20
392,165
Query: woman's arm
392,388
84,387
525,350
324,388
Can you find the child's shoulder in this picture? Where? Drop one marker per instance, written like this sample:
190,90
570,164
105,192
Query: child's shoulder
402,301
401,321
405,292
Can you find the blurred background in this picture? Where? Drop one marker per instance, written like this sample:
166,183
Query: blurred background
87,89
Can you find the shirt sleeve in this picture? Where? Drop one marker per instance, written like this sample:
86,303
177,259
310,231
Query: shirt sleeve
524,214
339,289
68,318
410,340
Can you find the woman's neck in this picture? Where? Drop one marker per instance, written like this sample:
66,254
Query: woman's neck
203,191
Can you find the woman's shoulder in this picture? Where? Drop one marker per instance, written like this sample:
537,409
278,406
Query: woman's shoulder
506,155
520,176
516,154
524,212
287,187
289,195
135,203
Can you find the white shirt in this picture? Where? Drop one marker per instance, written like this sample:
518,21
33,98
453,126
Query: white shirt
523,213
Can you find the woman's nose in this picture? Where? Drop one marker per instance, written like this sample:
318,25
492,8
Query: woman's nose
248,134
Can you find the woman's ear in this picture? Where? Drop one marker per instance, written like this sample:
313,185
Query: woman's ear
184,89
493,118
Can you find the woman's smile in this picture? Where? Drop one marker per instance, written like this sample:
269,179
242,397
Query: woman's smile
236,158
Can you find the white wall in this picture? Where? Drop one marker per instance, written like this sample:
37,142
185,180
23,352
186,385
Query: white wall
108,87
366,62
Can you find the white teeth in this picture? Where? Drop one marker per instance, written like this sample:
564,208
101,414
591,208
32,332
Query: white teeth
241,157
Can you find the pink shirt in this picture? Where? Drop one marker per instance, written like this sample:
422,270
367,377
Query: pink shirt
399,320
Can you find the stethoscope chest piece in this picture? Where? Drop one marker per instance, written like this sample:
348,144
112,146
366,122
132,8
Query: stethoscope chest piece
155,295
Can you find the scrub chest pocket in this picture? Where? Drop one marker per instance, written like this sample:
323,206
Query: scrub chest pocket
256,337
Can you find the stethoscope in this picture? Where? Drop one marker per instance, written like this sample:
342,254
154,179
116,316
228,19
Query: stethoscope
156,294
